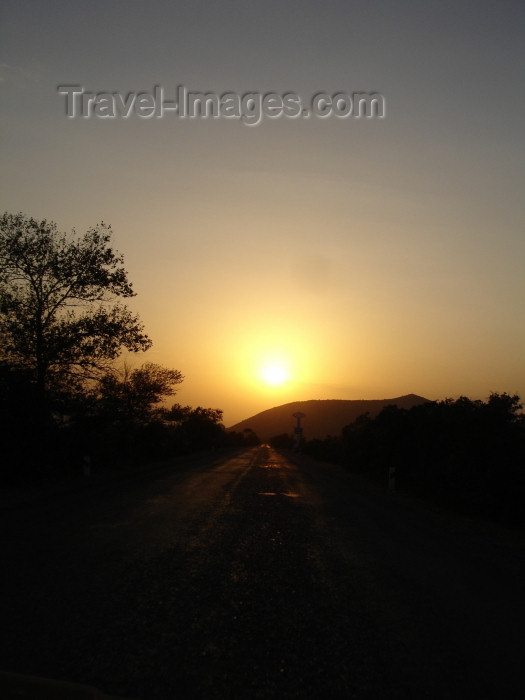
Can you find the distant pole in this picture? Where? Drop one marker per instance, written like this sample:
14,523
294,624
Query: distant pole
298,430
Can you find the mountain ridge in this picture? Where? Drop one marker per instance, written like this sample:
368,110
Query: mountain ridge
322,416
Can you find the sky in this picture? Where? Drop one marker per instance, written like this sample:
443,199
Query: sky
301,257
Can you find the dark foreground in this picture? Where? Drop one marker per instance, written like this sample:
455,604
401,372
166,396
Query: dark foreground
250,576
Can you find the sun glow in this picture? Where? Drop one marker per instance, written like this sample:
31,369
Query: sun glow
272,359
274,374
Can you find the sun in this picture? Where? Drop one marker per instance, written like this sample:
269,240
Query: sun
274,374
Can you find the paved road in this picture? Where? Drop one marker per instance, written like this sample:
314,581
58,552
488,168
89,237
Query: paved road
250,575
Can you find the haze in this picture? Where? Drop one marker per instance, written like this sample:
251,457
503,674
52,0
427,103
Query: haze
359,258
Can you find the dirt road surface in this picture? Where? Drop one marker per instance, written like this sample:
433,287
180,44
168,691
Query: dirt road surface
258,575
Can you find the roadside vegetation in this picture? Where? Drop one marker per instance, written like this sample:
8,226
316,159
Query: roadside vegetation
68,403
466,454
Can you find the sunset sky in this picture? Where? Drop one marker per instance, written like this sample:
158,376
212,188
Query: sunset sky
360,258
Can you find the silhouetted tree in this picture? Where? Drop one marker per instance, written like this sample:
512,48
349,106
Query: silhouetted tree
327,450
232,438
58,315
135,394
198,428
250,437
282,441
203,427
468,454
19,455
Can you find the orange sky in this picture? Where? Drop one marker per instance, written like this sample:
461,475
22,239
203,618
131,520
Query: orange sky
368,258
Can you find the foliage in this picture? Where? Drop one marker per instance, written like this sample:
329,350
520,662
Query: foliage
246,438
58,316
62,326
283,441
467,454
134,394
198,428
250,438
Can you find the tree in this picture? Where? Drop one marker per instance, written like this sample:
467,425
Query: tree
283,441
250,437
199,427
203,427
60,318
135,394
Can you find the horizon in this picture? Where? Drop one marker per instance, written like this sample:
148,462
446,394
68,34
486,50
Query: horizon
362,399
295,243
301,401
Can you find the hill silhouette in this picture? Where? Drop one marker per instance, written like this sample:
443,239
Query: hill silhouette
323,416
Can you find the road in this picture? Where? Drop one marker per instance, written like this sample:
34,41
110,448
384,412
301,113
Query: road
258,575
